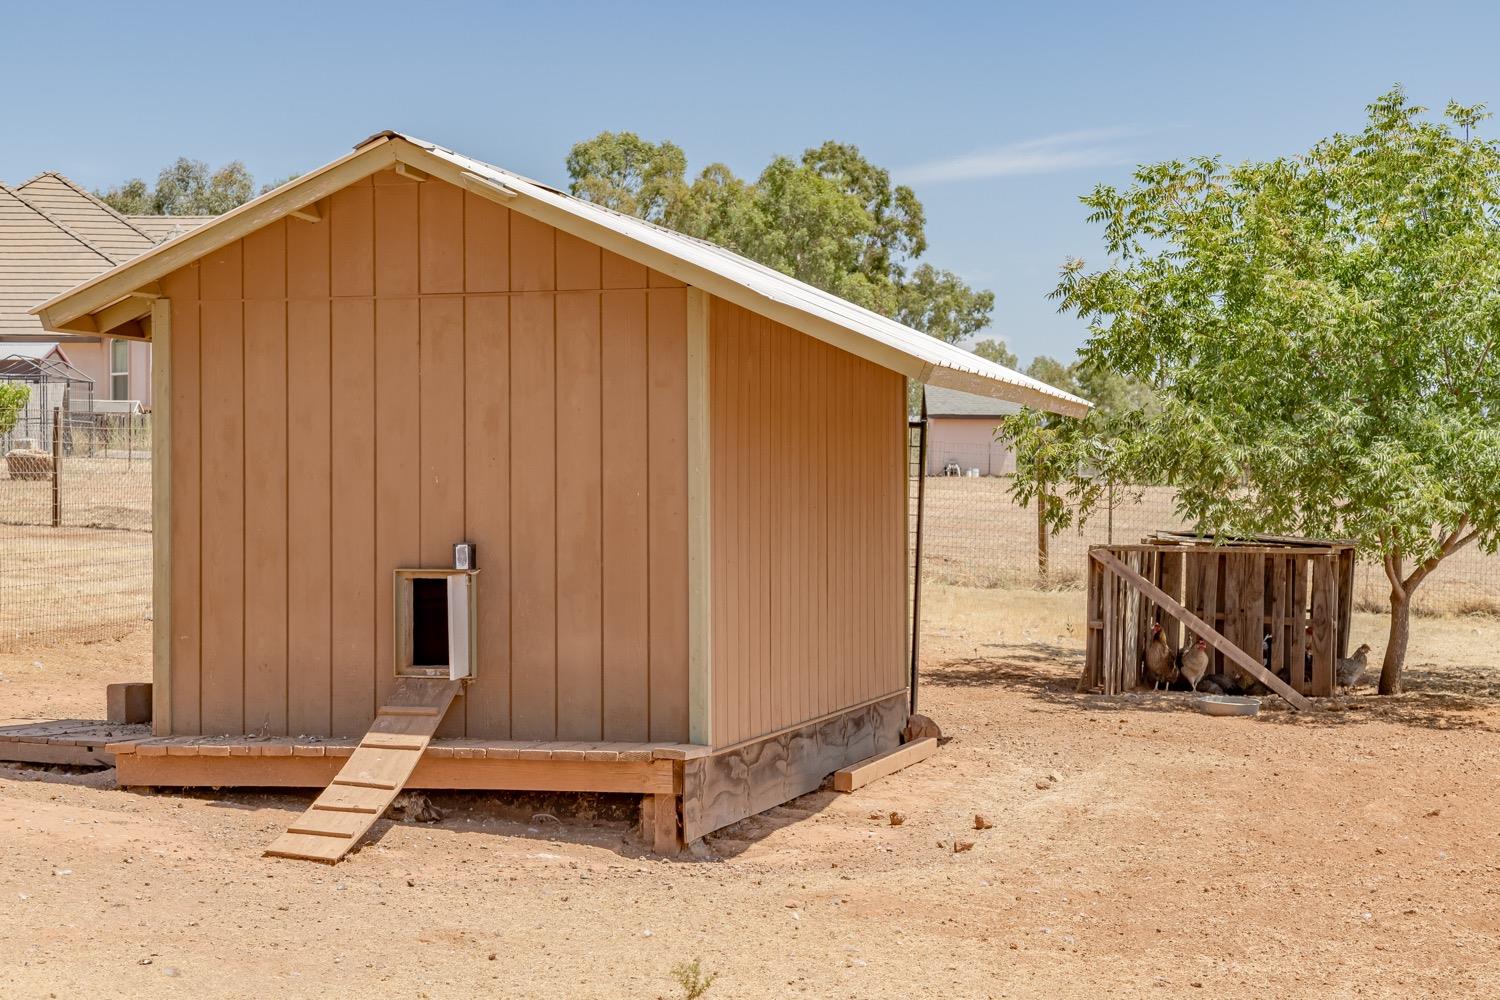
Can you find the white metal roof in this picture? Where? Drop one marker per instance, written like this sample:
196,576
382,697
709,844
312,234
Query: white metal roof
719,271
951,367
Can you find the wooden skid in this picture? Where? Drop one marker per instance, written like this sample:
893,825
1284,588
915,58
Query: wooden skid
847,779
371,778
740,781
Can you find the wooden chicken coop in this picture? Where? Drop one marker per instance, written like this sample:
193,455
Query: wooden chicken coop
1274,608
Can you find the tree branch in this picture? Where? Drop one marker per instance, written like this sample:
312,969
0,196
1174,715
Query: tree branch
1450,544
1392,560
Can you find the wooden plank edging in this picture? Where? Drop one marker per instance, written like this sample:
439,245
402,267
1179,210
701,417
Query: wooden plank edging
847,779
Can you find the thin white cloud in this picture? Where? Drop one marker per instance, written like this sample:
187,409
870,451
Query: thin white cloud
1044,155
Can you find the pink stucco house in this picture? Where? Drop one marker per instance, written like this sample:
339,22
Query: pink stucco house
961,433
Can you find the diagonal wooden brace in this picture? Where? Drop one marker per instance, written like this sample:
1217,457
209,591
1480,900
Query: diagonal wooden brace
1200,628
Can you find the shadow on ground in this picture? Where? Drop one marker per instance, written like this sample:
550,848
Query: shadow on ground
1452,698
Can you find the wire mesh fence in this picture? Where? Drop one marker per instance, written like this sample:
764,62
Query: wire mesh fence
977,535
75,526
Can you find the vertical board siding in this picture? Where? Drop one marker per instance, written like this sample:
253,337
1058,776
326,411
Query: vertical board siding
309,497
533,516
352,536
422,367
487,504
309,486
580,499
265,512
441,423
623,460
666,364
398,441
808,533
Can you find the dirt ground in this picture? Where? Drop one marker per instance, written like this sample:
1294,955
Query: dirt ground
1137,849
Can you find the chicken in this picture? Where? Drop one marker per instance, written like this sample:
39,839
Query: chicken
1218,684
1194,662
1351,669
1159,665
1210,686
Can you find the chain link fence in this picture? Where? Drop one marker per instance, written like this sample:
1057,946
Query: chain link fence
75,526
978,536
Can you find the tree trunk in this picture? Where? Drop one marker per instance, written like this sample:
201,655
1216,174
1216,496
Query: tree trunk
1395,646
1041,533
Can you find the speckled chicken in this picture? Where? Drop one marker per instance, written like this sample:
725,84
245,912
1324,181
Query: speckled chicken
1351,669
1159,665
1194,662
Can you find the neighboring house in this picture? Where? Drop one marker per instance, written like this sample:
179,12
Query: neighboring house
684,473
54,234
961,433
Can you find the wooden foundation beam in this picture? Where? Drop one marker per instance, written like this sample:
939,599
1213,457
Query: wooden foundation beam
432,772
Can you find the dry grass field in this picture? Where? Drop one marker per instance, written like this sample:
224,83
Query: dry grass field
978,536
89,578
1137,849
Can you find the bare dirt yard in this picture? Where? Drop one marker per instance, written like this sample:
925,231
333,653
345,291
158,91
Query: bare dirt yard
1137,849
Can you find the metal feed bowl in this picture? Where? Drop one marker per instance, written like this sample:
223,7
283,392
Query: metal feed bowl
1224,704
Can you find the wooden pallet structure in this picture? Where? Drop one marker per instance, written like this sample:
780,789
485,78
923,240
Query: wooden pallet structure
374,774
74,742
1288,596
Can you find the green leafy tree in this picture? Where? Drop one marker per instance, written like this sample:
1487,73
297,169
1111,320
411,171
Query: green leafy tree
134,197
270,186
622,171
1053,372
185,187
940,303
997,351
13,397
831,218
1320,332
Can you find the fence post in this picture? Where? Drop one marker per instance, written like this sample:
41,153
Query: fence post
57,452
1111,535
1041,532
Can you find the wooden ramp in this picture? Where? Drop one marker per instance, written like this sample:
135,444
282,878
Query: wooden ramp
374,775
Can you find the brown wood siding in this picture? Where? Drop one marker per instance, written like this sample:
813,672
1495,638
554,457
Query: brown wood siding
808,540
422,367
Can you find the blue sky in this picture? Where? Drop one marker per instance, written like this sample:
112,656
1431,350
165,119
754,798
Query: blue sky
999,114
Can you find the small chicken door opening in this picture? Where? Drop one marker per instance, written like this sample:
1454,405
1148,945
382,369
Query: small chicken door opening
435,623
429,623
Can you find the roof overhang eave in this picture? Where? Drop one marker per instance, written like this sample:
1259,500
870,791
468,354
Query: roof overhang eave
1057,401
73,311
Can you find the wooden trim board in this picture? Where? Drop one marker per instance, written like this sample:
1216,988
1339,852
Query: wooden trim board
59,312
847,779
161,516
700,527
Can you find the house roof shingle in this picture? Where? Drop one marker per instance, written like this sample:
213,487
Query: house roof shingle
39,257
943,402
103,227
54,235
